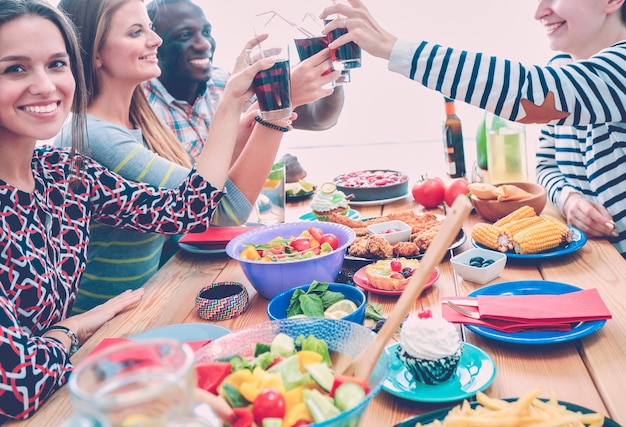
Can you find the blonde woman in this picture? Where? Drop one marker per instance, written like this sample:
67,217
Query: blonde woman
119,51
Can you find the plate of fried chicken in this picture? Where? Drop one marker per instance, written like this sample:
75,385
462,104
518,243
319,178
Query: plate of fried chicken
368,247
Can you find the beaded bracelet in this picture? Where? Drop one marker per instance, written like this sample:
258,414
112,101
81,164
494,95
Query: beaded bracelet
270,125
72,336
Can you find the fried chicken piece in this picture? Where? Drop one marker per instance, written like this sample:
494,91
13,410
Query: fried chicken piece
359,248
345,220
406,249
425,237
379,246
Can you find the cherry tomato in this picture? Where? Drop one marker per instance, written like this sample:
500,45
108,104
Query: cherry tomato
457,187
301,243
268,404
316,233
331,239
429,193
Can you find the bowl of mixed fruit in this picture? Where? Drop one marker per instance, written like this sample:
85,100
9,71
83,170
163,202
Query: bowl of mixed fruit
283,256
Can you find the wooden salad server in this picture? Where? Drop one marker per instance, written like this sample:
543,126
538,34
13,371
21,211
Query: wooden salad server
363,365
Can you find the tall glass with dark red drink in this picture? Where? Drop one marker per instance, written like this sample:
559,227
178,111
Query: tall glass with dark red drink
349,55
273,91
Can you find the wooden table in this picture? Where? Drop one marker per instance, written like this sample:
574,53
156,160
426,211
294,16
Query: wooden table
589,372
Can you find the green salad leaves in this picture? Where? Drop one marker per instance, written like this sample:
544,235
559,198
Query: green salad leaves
314,301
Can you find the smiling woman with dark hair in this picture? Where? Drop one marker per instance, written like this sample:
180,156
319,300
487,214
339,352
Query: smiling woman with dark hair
49,197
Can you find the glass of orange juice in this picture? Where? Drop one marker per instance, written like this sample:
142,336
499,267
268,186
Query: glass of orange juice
270,205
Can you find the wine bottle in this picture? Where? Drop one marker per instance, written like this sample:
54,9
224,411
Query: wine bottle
453,141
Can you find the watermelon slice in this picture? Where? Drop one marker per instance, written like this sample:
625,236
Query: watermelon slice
210,375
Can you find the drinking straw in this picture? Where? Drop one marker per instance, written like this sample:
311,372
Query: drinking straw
296,26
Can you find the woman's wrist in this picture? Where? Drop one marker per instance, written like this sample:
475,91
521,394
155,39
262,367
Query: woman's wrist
278,125
65,336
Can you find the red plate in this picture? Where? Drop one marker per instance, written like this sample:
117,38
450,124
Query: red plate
360,279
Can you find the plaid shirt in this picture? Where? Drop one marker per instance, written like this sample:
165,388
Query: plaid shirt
190,123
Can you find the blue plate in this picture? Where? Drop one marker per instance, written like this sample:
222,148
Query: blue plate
578,241
185,332
440,414
311,216
532,287
475,372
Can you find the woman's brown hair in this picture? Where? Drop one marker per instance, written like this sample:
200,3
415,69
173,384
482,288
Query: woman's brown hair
92,19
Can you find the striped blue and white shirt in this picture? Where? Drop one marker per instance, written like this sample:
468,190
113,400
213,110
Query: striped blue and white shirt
582,104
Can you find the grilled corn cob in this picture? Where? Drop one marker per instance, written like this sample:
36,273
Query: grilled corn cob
520,213
566,232
538,238
518,225
492,237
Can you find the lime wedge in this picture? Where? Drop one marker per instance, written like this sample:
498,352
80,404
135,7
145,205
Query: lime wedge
328,187
306,186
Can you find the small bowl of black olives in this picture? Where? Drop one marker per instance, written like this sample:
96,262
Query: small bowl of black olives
479,265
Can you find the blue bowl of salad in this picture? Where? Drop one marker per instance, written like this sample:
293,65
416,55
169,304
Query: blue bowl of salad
340,337
297,265
332,308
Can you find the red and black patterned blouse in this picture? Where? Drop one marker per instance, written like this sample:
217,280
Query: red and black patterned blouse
43,241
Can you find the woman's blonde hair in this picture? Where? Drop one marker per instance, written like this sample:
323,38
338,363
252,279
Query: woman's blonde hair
92,19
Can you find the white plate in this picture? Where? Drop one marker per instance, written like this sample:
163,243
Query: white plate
185,332
378,202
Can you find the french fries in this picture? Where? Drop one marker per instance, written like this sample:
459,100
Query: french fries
528,411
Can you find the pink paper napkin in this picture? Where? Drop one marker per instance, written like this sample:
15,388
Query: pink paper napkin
107,342
216,235
580,306
509,327
514,313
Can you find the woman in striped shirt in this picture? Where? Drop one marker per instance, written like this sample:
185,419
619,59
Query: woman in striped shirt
579,97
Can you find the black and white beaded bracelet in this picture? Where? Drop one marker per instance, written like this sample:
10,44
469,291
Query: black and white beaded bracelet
270,125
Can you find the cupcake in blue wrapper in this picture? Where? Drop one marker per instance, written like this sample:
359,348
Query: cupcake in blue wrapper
430,348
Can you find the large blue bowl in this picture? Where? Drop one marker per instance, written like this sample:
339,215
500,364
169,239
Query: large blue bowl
271,278
277,307
343,337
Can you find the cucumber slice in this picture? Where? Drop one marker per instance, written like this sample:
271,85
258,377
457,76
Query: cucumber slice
260,348
272,422
321,374
320,407
348,395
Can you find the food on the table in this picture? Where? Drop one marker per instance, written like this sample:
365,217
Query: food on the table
523,231
318,301
423,230
501,193
391,275
307,244
299,188
430,348
480,262
370,178
528,410
457,187
429,192
289,383
329,200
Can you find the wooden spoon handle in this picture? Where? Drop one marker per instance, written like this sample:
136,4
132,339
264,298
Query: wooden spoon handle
434,254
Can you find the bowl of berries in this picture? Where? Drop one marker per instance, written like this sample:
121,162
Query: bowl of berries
373,185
